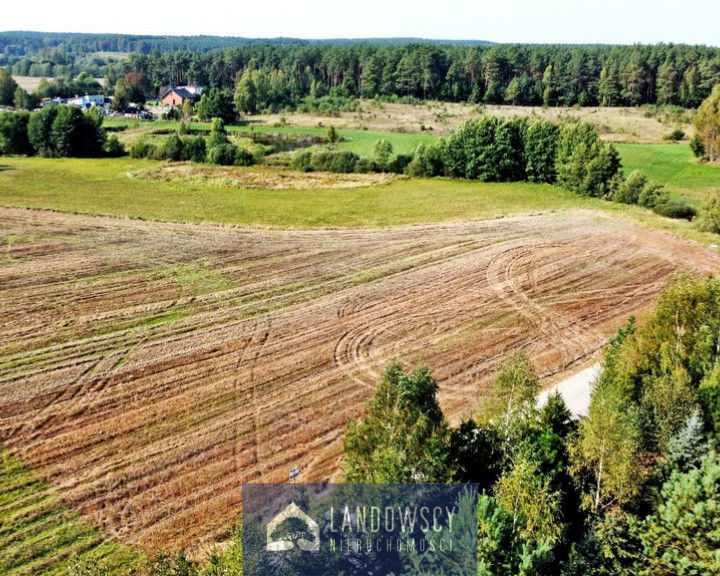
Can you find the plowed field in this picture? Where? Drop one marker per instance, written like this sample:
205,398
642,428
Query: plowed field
148,369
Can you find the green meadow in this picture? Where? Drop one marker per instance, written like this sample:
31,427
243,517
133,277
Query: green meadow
675,166
38,535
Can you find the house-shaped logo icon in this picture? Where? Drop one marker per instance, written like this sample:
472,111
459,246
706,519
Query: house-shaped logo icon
291,528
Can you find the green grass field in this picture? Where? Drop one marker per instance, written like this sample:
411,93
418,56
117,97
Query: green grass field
39,536
362,142
105,187
674,166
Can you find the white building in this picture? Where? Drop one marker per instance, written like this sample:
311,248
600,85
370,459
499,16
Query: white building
86,102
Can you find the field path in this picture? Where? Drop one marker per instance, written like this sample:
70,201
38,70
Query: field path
147,369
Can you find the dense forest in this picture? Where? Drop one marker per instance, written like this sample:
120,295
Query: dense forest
290,70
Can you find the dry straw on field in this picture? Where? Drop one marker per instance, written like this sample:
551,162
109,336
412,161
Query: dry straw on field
148,369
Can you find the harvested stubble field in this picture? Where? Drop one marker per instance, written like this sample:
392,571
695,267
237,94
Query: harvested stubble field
147,369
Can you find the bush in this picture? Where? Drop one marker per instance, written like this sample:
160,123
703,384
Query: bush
628,191
366,166
244,157
14,133
585,164
223,154
427,160
142,149
697,147
301,161
674,136
674,209
114,148
709,220
342,161
399,163
194,149
174,148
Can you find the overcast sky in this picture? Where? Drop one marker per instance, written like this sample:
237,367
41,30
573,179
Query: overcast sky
525,21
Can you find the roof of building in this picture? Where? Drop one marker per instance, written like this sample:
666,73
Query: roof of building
182,92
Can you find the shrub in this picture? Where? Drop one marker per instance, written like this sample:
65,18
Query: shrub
366,166
585,164
674,209
244,157
114,148
194,149
628,192
142,149
301,161
709,220
399,163
674,136
223,154
174,148
697,147
342,161
428,160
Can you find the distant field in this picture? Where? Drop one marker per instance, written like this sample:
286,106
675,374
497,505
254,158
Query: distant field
675,166
148,369
31,83
39,535
126,187
641,125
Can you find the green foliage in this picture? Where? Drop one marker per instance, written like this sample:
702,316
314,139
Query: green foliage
340,161
474,152
114,148
332,135
697,146
428,160
22,100
216,103
194,149
475,454
674,136
7,88
605,455
382,154
511,405
244,157
675,209
528,498
222,154
584,163
686,448
14,133
142,149
402,434
629,191
66,131
218,134
683,535
501,549
540,149
707,125
174,148
301,160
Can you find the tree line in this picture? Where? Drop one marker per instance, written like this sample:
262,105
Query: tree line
631,489
551,75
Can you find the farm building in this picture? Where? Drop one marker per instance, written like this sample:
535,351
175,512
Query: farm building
177,95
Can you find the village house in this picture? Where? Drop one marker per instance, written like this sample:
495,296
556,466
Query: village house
175,96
